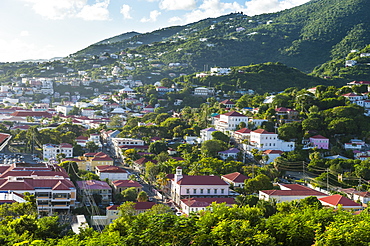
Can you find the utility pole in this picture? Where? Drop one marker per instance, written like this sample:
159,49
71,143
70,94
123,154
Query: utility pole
303,170
327,179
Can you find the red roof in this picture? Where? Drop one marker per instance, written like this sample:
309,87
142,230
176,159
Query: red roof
227,101
337,199
126,183
243,130
110,169
205,201
293,193
350,95
262,131
318,137
26,113
273,151
201,180
93,185
3,137
236,177
144,205
234,113
143,160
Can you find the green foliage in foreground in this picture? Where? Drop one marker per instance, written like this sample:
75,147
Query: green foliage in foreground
296,223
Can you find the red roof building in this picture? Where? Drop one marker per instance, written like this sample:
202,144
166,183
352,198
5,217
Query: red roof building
236,179
189,205
336,201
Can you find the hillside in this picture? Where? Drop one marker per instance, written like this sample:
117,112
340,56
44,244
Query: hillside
302,37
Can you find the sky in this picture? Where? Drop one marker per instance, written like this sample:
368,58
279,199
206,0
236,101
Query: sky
43,29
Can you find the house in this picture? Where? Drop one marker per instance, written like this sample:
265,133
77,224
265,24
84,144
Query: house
111,172
112,213
230,153
229,121
50,151
121,185
236,179
87,188
196,204
227,103
355,195
286,113
263,140
8,197
139,164
4,140
336,201
89,161
319,142
242,134
185,186
355,144
203,91
289,192
206,134
272,155
53,190
119,144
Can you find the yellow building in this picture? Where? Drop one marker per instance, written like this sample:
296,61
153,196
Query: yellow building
89,161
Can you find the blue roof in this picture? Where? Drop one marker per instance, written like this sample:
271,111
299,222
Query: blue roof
209,129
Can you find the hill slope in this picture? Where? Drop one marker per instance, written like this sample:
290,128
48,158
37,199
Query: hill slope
302,37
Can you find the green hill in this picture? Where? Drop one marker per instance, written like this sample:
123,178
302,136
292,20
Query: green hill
302,37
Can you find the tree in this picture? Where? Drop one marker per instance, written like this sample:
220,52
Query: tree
92,146
260,182
130,194
72,169
142,196
217,135
211,147
157,147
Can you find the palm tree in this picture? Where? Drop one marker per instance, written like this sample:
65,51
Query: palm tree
162,181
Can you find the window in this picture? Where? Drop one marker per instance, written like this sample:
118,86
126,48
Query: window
215,191
208,191
194,191
222,191
201,191
187,191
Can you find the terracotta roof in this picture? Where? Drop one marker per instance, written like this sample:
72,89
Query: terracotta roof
350,95
26,113
262,131
143,160
110,169
126,183
201,180
3,137
272,151
243,130
205,202
236,177
337,199
227,101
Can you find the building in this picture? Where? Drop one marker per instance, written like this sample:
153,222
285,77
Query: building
336,201
87,188
242,134
196,204
50,151
206,134
50,184
185,186
227,103
263,140
203,91
289,192
229,121
319,142
121,185
230,153
355,195
272,155
89,161
111,172
236,179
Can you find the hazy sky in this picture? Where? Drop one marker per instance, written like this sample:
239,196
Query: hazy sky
35,29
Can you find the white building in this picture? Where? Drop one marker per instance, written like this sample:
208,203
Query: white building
206,134
52,150
196,204
184,186
111,172
203,91
263,140
64,109
229,121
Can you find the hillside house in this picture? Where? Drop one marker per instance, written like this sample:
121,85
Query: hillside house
229,121
263,140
